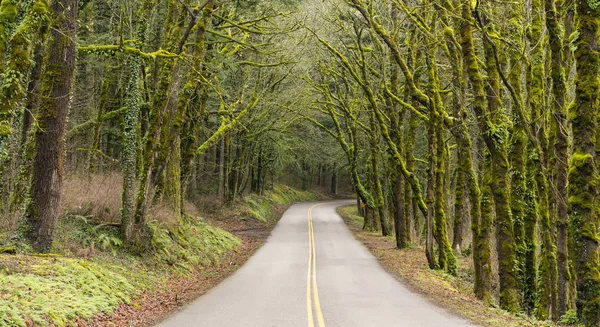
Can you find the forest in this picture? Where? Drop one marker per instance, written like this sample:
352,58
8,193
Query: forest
465,128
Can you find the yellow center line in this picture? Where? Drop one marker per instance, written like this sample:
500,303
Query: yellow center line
312,275
311,322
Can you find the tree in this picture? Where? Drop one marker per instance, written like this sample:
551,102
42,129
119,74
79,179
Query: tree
583,170
48,166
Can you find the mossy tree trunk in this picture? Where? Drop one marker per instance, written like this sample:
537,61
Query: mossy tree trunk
583,168
43,210
26,143
8,15
151,174
494,134
131,131
483,287
446,258
518,144
21,44
560,131
430,216
546,291
130,149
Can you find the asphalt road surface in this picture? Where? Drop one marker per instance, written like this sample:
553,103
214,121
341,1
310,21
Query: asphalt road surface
312,272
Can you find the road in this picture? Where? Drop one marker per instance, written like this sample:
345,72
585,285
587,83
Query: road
312,272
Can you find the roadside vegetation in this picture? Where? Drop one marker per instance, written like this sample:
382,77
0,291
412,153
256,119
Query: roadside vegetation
90,274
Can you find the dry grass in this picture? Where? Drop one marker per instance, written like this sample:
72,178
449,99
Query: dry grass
9,220
453,293
97,196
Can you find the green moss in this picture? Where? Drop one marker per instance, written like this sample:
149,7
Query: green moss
54,290
8,10
448,32
5,128
583,170
191,244
58,291
580,159
40,7
262,207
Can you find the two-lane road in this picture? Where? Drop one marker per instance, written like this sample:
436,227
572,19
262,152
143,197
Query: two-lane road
312,272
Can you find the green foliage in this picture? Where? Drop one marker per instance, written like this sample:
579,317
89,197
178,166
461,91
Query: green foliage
86,233
191,243
58,291
466,252
262,208
594,4
569,318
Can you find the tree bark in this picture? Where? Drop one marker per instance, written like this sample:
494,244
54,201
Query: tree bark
334,179
43,211
583,167
560,130
495,142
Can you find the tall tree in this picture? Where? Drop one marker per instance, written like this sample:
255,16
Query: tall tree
43,211
583,168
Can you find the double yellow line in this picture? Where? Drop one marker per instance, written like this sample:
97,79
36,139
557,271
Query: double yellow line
311,278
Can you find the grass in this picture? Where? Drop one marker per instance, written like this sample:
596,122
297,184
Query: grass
450,292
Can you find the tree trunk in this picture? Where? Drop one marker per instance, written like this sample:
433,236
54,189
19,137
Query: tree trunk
497,146
457,239
43,211
334,179
561,133
16,69
410,198
583,169
130,149
400,214
483,287
430,197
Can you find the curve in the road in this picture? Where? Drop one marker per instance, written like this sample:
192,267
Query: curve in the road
353,288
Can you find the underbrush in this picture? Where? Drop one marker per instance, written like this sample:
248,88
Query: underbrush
261,207
191,244
97,196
